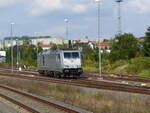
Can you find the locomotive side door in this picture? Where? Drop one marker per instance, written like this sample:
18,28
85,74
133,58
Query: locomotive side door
58,61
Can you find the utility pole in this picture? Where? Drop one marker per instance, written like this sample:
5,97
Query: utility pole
17,54
67,31
99,39
37,49
119,17
11,33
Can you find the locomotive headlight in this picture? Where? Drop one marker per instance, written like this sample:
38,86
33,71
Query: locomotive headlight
79,70
78,66
66,71
66,66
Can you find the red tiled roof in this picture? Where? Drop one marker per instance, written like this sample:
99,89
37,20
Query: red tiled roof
92,41
46,45
76,41
105,44
141,39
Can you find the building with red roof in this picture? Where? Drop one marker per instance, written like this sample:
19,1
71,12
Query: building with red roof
45,46
140,39
105,45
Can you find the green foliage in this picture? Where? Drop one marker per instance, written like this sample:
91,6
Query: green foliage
147,47
27,55
124,47
139,65
146,44
148,32
145,73
89,57
110,67
54,46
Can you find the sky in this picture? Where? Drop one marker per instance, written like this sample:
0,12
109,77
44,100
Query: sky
46,17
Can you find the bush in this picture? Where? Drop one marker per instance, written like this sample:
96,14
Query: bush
124,47
145,73
137,65
113,66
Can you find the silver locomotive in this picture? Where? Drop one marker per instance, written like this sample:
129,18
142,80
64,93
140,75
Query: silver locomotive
60,63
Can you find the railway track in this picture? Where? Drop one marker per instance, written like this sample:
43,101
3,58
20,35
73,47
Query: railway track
23,106
115,77
38,100
102,84
136,81
95,75
128,78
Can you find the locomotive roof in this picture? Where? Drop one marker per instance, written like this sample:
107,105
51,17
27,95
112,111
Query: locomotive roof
56,51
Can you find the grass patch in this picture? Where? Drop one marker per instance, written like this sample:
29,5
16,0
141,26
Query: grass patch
29,91
137,66
145,73
90,69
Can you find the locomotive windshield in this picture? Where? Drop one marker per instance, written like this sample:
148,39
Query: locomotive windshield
71,55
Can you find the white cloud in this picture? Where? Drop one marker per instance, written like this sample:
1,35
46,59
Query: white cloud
39,7
140,6
90,19
60,30
4,3
55,30
79,8
78,27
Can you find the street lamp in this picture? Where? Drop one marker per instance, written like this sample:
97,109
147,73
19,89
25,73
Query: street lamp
11,33
67,33
99,39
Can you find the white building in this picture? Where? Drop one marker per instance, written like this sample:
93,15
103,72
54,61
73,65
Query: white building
46,41
8,43
2,56
34,41
99,39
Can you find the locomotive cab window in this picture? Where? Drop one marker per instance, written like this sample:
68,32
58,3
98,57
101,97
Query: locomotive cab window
75,55
69,55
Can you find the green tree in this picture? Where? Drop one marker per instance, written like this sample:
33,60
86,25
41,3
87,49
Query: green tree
55,46
146,45
124,47
89,56
28,54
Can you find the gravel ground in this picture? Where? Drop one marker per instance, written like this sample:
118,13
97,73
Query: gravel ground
42,108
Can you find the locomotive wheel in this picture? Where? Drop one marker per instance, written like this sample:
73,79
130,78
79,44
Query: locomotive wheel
58,75
41,72
51,74
45,72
